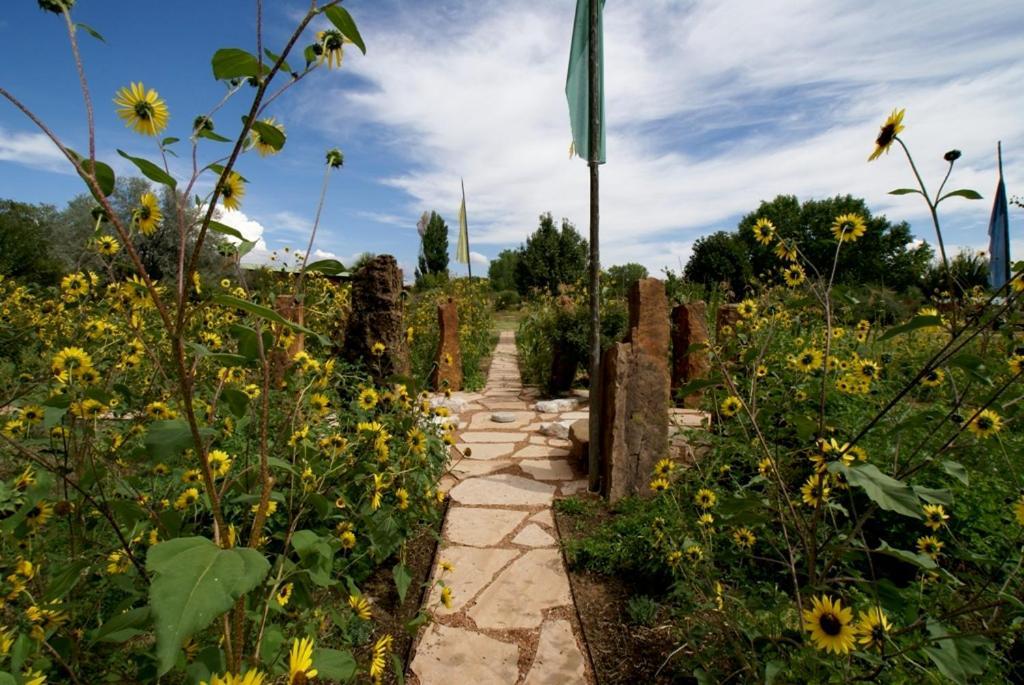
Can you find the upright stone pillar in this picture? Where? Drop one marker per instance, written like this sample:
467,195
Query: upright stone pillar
689,328
728,315
448,368
377,318
635,396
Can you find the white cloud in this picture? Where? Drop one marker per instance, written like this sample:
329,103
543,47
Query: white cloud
249,228
33,150
712,107
477,258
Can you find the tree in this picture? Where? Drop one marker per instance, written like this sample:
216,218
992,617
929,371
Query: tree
551,257
721,257
434,258
26,249
502,270
621,277
881,256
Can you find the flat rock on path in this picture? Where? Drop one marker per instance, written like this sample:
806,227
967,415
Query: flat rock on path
511,619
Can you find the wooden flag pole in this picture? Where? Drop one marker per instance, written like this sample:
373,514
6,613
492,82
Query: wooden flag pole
593,69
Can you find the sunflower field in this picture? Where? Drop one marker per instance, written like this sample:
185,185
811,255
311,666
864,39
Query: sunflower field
192,488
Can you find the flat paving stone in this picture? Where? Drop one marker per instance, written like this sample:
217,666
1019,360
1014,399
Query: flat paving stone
533,536
502,489
544,518
448,655
491,436
470,468
559,660
485,420
572,487
547,469
487,450
480,527
519,595
537,451
503,405
474,569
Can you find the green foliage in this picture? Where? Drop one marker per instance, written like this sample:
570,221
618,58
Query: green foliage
433,260
969,270
642,610
502,270
720,259
25,247
621,277
551,258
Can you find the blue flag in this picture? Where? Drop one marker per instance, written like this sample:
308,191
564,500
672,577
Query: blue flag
999,236
577,82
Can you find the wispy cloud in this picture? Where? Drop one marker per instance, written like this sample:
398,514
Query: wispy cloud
712,107
33,150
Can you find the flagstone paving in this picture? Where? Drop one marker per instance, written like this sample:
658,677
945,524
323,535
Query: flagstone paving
512,620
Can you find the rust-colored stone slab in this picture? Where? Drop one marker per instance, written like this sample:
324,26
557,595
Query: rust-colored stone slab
648,317
448,363
377,318
689,328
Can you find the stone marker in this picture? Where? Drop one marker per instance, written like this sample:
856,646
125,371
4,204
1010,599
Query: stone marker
377,318
689,327
448,368
728,315
635,393
579,440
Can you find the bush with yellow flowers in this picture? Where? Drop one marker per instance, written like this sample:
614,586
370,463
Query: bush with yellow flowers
192,489
856,510
476,328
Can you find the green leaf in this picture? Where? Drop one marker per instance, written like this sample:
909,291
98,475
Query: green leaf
927,321
7,679
238,401
957,658
210,135
920,560
195,582
104,174
402,580
885,491
331,267
150,170
171,140
904,191
123,626
697,385
65,580
973,365
933,495
234,63
310,54
966,193
274,57
219,169
398,668
262,312
91,31
317,556
218,227
413,625
269,134
273,638
344,22
957,470
334,664
772,669
168,439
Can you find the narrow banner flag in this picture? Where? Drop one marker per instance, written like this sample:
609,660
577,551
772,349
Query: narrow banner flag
577,83
999,235
462,250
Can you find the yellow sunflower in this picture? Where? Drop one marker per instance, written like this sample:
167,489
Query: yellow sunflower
1018,510
74,286
930,545
786,249
331,44
794,275
809,360
986,424
764,231
830,625
262,147
300,662
380,652
232,192
933,378
744,538
935,516
847,228
659,485
815,491
368,399
890,129
747,309
705,498
141,109
730,406
147,216
360,606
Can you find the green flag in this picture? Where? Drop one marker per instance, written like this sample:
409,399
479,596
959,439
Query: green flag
462,250
577,90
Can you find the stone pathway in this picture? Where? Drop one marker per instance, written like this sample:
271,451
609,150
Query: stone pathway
512,618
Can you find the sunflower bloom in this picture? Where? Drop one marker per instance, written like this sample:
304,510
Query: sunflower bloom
986,424
730,406
141,109
147,216
830,625
232,191
380,651
262,147
847,228
332,46
764,231
890,129
935,516
705,498
360,606
300,662
1018,510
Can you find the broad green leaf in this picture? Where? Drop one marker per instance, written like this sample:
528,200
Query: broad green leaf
904,191
210,135
933,495
223,229
150,170
344,22
927,321
334,664
270,649
91,31
805,426
219,169
168,439
963,192
238,401
957,470
262,312
169,141
121,627
248,344
195,582
331,267
310,54
317,556
398,668
697,385
104,174
269,134
920,560
402,580
413,625
7,679
234,63
65,580
885,491
274,57
917,420
957,658
973,365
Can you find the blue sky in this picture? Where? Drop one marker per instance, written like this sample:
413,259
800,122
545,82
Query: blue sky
712,107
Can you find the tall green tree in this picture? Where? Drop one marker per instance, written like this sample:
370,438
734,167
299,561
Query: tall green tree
26,247
502,270
551,257
721,257
434,257
621,277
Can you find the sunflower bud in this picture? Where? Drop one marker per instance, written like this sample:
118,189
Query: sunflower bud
56,6
335,158
951,156
201,123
